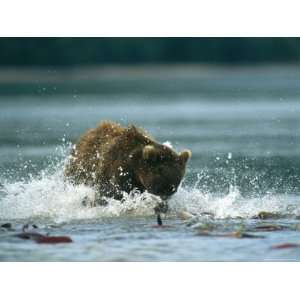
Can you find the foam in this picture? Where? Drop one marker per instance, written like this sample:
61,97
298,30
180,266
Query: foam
48,196
234,205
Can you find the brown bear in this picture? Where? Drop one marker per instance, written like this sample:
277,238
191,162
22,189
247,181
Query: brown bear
115,159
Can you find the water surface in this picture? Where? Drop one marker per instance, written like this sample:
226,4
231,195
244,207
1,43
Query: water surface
242,126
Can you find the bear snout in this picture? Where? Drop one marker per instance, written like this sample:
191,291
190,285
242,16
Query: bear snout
163,190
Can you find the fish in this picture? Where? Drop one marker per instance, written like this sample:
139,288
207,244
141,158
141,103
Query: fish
285,246
44,239
41,238
159,221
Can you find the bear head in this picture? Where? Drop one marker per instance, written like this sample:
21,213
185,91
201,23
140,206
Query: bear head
160,169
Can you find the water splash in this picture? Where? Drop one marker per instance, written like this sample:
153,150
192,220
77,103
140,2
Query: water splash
233,204
49,197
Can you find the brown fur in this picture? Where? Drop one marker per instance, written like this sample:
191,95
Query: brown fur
115,159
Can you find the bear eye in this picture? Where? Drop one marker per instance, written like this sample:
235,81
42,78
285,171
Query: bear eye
156,158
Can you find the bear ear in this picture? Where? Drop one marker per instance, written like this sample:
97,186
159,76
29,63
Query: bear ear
148,151
132,128
185,155
135,132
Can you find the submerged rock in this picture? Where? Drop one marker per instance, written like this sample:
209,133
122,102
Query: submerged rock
203,226
236,234
185,215
163,226
241,235
263,215
270,227
7,226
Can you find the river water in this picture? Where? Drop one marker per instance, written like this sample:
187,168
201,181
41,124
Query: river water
242,126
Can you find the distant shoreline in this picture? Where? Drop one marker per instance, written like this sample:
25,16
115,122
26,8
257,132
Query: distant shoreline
11,75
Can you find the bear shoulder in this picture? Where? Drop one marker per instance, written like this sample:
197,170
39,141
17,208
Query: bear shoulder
95,138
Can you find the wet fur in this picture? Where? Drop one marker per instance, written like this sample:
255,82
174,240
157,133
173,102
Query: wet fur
114,160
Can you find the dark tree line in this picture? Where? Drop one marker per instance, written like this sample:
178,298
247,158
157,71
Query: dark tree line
87,51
